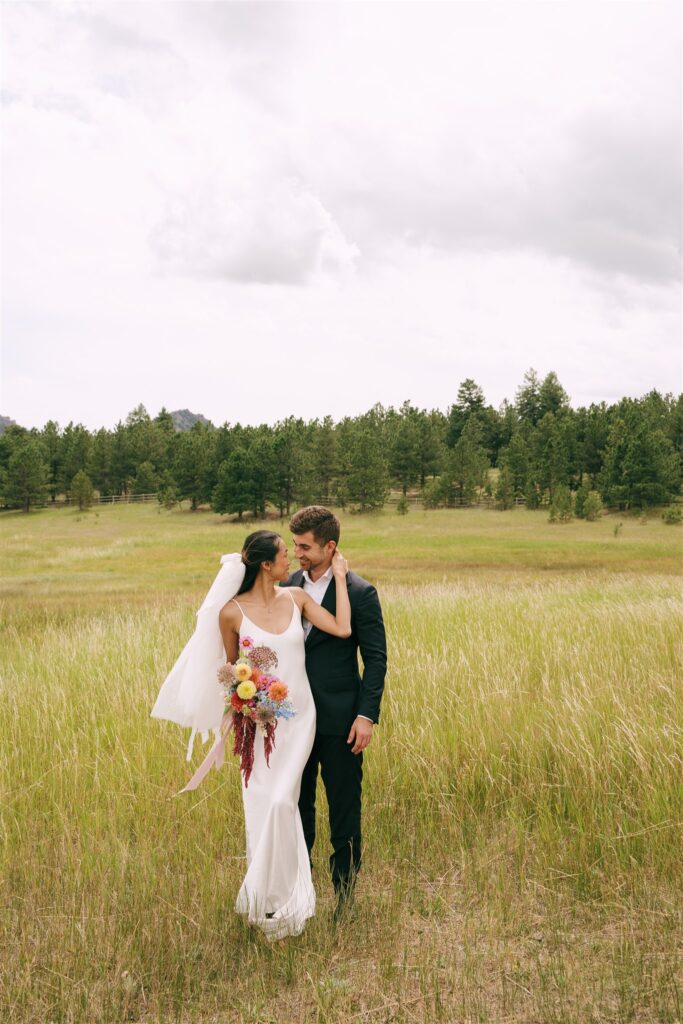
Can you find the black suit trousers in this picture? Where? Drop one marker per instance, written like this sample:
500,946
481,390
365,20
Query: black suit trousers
342,774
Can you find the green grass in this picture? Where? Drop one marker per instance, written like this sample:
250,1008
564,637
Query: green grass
522,794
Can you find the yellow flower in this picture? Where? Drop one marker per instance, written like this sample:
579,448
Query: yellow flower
242,671
246,690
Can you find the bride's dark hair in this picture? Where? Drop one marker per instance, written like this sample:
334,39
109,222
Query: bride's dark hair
259,547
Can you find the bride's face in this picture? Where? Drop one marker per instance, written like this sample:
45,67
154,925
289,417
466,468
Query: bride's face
279,567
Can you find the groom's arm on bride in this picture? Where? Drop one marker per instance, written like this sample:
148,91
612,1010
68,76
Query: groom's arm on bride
372,642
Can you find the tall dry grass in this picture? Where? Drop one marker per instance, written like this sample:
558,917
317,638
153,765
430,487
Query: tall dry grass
522,820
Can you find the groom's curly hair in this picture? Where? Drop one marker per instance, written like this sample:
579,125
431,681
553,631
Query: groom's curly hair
322,523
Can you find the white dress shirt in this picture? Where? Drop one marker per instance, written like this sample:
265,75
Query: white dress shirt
317,588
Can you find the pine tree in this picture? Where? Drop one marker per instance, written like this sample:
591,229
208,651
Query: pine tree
164,421
324,458
289,461
527,399
651,468
641,467
81,490
259,469
515,457
146,480
100,465
192,464
433,494
121,464
469,402
50,437
675,425
168,494
148,441
76,445
592,507
367,482
404,452
551,396
307,485
431,444
562,505
592,430
12,438
553,452
580,499
232,492
466,466
505,489
26,481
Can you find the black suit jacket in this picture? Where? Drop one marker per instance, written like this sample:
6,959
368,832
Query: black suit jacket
339,691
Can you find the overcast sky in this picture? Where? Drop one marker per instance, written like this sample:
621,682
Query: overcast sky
253,210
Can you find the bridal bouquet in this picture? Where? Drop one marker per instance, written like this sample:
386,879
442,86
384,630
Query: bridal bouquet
255,699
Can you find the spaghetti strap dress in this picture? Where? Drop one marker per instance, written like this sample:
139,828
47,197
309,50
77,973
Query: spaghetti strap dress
277,893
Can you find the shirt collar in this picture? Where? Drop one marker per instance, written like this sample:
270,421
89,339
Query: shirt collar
327,576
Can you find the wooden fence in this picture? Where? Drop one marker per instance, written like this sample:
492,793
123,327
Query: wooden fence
414,500
106,499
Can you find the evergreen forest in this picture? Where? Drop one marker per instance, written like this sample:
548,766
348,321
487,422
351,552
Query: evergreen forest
625,455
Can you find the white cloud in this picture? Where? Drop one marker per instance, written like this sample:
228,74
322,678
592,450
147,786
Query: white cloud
396,196
271,233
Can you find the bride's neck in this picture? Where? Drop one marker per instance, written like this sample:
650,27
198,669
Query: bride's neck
263,590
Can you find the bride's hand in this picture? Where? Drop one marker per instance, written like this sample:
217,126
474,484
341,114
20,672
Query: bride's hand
340,566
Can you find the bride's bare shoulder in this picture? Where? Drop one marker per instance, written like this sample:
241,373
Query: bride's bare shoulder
229,613
297,593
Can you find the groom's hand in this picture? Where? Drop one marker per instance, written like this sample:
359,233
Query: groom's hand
360,735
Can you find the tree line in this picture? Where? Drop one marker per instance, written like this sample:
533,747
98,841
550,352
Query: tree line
625,455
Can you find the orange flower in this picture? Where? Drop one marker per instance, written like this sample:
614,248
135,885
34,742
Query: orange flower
278,691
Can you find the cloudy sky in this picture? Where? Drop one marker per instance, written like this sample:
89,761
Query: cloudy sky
253,210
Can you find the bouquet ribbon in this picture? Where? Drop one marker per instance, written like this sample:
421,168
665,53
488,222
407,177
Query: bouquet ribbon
216,755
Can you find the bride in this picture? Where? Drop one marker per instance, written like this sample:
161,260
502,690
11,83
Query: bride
277,893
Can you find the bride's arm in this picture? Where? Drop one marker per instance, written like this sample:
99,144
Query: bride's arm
229,627
339,624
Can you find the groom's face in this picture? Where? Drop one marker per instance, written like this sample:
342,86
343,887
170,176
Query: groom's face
312,555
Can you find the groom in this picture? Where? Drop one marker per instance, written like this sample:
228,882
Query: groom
347,705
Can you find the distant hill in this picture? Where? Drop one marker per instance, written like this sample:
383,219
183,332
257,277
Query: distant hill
6,422
183,419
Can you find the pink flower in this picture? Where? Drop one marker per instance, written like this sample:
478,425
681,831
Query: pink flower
246,641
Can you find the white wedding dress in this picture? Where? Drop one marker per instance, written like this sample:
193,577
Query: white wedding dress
277,893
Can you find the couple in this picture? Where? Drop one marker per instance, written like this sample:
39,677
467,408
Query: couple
315,621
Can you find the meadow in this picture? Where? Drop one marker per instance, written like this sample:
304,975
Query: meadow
523,792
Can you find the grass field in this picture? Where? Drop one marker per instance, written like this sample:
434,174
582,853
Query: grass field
523,794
